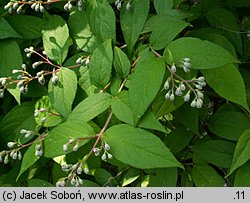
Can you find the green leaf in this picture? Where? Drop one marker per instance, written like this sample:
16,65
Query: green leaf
56,39
162,6
101,64
145,83
138,148
63,93
91,107
20,117
242,151
189,117
229,124
101,19
29,158
242,176
213,35
164,29
121,63
61,134
6,31
39,183
206,176
104,178
178,139
84,81
228,83
163,177
29,27
203,54
132,21
239,3
80,31
217,152
121,108
132,175
52,117
226,20
8,49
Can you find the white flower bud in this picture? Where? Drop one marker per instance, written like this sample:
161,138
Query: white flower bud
178,91
19,156
3,81
186,64
167,96
173,68
128,6
171,98
71,141
27,135
78,61
73,181
36,64
65,147
41,80
80,181
119,5
8,6
42,9
117,2
187,97
38,147
75,148
110,156
199,87
182,87
193,103
54,79
39,153
70,6
201,79
74,167
187,60
11,144
166,85
15,71
66,6
33,6
23,131
1,95
6,159
104,157
87,61
86,170
1,158
79,170
106,147
199,103
37,7
14,156
15,5
200,95
19,10
43,119
203,84
186,69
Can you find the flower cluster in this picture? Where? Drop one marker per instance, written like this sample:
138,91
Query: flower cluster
106,154
68,6
74,142
83,60
177,86
73,177
118,4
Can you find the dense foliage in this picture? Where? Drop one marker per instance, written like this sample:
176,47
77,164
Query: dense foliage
125,93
